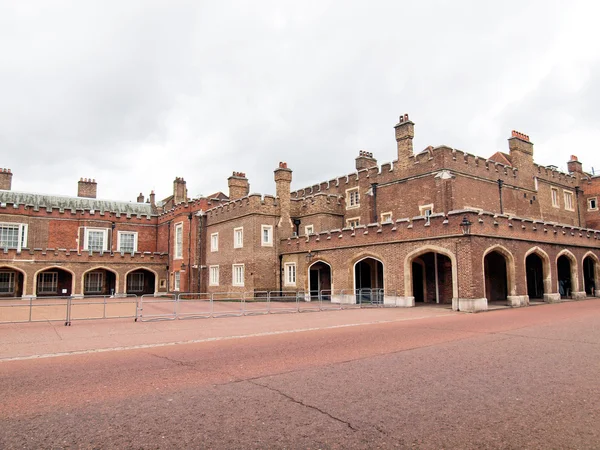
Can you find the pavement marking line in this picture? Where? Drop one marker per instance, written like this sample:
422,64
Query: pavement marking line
211,339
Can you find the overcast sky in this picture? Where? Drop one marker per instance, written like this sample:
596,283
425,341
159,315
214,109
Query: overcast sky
135,93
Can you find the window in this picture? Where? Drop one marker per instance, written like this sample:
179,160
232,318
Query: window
290,274
127,241
95,239
214,242
178,242
593,203
237,275
48,282
353,222
94,282
214,275
267,235
309,229
555,197
352,198
13,235
7,282
426,210
569,201
135,282
238,237
176,280
386,217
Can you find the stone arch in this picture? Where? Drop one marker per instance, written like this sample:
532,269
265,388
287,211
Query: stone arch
596,275
322,279
374,277
547,271
408,287
23,275
510,266
574,269
100,268
142,268
45,269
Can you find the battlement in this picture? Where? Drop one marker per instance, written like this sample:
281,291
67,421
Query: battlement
81,256
250,204
317,203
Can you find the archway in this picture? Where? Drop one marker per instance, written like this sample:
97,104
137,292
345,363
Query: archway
589,275
432,278
141,282
99,281
534,269
54,281
368,281
11,282
565,280
496,276
319,281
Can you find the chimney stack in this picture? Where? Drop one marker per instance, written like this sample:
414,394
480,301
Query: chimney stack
5,179
574,165
86,188
521,153
365,160
405,132
179,191
152,198
283,181
140,198
238,185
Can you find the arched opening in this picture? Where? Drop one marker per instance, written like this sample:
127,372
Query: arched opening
368,281
534,268
99,282
432,278
54,281
496,277
589,276
11,282
565,280
140,282
319,281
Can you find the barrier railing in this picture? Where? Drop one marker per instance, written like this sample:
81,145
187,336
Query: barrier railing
185,305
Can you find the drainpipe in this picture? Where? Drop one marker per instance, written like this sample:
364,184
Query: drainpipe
280,272
168,256
374,190
189,274
577,191
500,184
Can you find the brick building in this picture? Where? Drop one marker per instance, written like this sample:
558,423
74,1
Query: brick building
437,226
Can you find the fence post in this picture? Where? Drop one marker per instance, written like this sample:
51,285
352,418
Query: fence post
68,318
104,306
30,307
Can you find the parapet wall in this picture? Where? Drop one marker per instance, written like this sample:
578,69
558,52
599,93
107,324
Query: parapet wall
320,203
251,204
74,213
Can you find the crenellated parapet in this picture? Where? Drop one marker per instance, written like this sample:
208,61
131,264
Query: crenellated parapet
251,204
320,203
79,256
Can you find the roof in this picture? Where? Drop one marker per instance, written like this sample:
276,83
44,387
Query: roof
74,203
502,158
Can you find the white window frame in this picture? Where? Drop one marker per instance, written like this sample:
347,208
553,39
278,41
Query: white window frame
86,238
290,274
135,241
53,283
269,241
554,197
178,244
135,287
352,198
214,242
213,279
98,283
570,204
309,229
590,200
423,210
22,229
10,283
386,217
176,281
351,220
238,233
237,280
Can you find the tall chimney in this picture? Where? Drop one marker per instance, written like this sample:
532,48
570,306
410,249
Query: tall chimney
521,154
86,188
283,181
238,185
5,179
140,198
152,198
405,132
365,160
574,165
179,191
